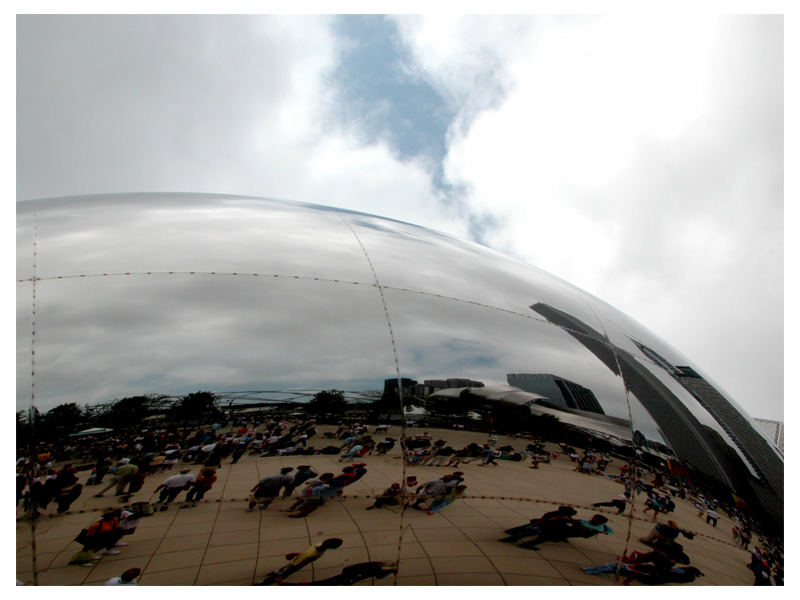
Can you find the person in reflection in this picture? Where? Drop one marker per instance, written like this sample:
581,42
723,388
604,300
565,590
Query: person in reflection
654,576
442,455
384,446
760,568
103,534
451,496
348,475
67,488
319,496
459,456
663,556
489,455
303,474
388,498
359,470
123,474
532,528
655,503
100,469
430,490
201,485
355,573
239,450
560,530
306,492
669,532
299,560
620,502
269,488
349,442
172,486
354,452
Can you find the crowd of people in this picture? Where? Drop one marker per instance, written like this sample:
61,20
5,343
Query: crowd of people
124,462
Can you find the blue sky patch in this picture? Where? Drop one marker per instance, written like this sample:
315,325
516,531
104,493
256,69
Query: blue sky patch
389,103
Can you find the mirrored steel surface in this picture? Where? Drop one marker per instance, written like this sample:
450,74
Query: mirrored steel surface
174,293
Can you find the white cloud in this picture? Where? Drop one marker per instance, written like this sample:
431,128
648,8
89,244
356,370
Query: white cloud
209,104
636,158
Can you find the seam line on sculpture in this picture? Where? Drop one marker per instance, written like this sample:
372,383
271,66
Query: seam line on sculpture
399,384
306,278
634,460
32,407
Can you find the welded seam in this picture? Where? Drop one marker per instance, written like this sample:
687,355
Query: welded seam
404,490
34,511
634,460
304,278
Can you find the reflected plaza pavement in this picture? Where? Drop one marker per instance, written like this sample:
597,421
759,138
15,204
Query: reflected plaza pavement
217,543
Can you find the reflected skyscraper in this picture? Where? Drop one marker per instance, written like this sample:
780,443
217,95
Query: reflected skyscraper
559,390
692,442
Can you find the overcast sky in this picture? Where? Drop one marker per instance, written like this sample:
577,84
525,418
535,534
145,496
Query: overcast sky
639,158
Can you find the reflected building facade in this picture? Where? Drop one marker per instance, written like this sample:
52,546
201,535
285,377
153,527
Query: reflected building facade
694,443
558,390
129,295
774,431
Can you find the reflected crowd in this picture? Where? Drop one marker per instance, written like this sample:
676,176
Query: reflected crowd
187,459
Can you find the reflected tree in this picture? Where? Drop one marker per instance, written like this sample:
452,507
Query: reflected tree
59,422
198,406
545,426
123,412
24,426
327,402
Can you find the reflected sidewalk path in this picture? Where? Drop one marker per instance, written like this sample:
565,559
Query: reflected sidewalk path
218,543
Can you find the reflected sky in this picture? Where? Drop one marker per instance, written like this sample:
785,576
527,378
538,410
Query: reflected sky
100,338
174,293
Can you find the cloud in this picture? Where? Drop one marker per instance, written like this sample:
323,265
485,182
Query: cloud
223,104
636,158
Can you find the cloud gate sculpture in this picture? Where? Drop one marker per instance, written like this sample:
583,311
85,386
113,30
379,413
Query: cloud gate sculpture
176,331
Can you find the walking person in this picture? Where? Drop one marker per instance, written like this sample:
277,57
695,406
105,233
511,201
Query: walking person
319,496
451,496
103,534
172,486
430,490
269,488
239,450
388,498
67,488
712,515
122,476
299,560
669,532
201,485
620,502
303,474
562,530
532,528
354,452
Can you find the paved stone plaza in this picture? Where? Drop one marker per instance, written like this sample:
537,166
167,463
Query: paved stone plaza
218,543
